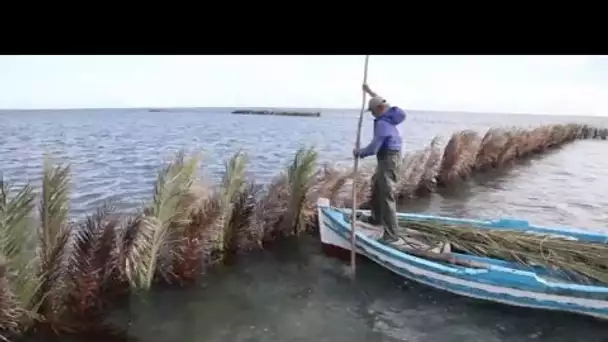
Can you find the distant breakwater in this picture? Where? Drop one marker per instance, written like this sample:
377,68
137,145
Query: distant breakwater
277,113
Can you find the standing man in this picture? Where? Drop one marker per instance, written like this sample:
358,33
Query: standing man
386,145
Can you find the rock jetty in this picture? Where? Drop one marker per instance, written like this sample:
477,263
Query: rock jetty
272,112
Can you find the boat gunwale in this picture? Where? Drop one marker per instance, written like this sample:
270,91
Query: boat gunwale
336,217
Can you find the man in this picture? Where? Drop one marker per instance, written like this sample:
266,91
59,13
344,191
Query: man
386,145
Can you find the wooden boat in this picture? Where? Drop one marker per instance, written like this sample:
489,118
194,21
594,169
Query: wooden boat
477,277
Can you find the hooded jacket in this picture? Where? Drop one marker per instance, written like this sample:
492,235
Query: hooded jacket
386,134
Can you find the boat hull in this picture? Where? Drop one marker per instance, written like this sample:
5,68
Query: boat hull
496,284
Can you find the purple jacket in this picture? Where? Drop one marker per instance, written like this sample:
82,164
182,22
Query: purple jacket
386,135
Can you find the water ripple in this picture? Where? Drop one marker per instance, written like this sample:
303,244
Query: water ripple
115,153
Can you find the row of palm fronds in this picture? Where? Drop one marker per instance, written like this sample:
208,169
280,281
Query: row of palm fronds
468,153
579,261
66,276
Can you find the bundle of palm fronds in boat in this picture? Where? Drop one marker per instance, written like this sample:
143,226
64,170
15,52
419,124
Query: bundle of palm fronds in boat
580,261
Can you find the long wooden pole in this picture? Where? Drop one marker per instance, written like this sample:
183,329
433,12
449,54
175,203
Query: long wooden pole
353,251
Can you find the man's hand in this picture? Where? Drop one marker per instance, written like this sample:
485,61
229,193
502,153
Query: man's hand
368,90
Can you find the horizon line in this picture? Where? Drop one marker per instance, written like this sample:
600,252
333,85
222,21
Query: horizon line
284,107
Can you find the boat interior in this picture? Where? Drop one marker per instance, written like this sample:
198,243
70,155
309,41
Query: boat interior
553,278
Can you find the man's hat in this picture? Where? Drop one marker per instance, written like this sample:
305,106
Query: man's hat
374,102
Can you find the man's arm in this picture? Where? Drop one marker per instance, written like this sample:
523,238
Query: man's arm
372,148
369,90
375,144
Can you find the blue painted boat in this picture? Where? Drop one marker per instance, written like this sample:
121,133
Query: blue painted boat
498,281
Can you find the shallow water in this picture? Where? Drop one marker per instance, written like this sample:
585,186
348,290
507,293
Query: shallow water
297,294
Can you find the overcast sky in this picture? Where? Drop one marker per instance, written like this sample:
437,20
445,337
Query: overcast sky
525,84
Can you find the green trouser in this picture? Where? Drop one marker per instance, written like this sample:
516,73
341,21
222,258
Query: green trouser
383,206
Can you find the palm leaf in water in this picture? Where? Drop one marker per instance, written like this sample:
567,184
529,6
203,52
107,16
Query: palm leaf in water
270,210
193,250
11,312
14,215
18,281
301,175
172,184
233,183
241,235
91,263
53,235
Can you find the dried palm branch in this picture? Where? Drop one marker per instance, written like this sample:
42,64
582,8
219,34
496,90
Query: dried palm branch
193,251
242,236
510,152
300,175
330,182
270,210
91,266
282,209
194,236
403,189
125,242
412,172
14,222
233,183
16,238
53,235
572,259
11,311
153,235
458,157
490,148
363,184
427,182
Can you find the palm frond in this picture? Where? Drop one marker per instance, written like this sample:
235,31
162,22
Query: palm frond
233,182
125,242
52,267
53,236
91,264
459,157
413,170
427,182
16,236
301,177
330,183
193,251
281,209
575,260
54,203
242,235
234,175
490,148
154,230
11,311
271,208
510,151
15,213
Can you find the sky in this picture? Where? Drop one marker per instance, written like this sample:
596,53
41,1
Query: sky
507,84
